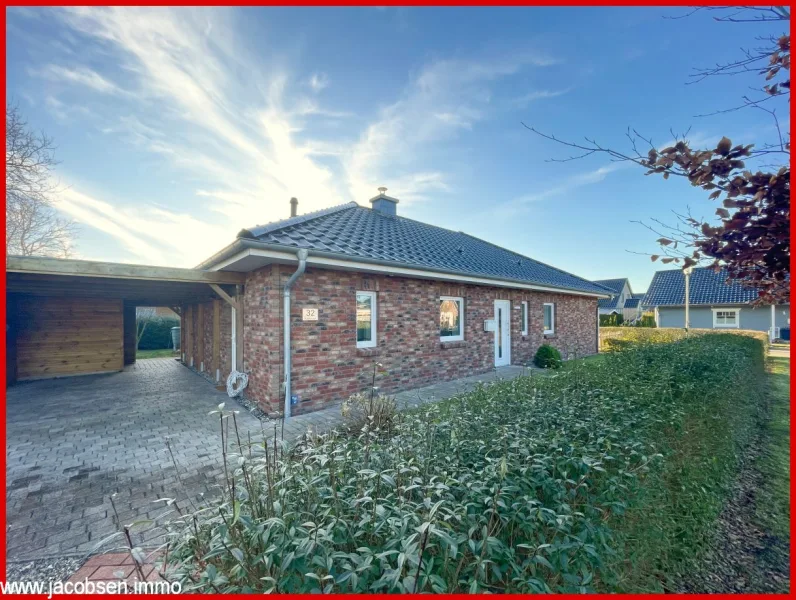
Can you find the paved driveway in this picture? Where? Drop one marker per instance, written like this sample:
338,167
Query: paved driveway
73,442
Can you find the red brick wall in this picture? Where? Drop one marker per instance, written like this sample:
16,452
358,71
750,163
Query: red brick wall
327,365
262,319
205,329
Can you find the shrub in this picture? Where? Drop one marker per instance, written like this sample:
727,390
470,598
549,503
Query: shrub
376,410
157,334
606,477
612,320
663,335
644,321
547,357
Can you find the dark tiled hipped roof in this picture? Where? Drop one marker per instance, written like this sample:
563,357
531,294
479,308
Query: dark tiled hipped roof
707,287
632,302
616,286
358,232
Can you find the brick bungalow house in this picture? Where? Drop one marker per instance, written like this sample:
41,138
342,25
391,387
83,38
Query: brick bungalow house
346,287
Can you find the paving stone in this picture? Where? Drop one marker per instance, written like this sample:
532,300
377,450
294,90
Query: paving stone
73,442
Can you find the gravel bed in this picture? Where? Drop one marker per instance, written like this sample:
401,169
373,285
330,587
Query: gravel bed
44,569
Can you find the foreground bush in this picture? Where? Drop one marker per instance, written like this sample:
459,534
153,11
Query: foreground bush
605,476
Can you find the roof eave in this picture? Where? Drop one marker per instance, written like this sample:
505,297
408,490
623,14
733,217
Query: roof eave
243,244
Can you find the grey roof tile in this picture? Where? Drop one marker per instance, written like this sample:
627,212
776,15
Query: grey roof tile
359,232
615,285
707,287
632,302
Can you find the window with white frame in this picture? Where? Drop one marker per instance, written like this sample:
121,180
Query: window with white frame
366,319
549,318
451,319
725,317
524,318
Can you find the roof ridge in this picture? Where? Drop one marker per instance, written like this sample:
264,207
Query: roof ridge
259,230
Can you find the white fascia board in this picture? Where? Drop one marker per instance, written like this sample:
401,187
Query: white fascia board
365,267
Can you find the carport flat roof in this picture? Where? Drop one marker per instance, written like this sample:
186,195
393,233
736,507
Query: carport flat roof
139,284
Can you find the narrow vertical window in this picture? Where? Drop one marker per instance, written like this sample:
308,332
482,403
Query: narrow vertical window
549,318
366,319
451,319
524,318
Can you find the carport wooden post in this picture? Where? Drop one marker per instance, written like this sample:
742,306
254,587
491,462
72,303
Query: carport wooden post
216,340
130,334
182,333
189,336
237,306
200,337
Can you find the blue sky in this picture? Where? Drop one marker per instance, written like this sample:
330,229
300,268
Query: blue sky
177,128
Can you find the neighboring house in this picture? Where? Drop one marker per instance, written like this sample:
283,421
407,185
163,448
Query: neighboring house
621,292
309,305
633,307
714,303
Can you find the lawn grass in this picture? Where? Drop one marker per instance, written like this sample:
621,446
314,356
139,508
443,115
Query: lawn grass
142,354
773,510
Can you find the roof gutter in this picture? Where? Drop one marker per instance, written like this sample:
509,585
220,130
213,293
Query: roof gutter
241,245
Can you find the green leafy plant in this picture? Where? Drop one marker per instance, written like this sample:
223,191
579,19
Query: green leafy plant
605,477
612,320
547,357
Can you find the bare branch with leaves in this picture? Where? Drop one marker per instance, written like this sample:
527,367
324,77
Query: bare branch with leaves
751,235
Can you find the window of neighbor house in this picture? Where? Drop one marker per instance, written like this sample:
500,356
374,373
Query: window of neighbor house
524,318
366,319
451,319
725,318
549,318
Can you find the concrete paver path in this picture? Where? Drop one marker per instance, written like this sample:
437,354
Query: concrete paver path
73,442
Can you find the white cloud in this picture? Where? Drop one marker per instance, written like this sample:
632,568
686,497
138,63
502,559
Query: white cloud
446,97
318,81
243,127
150,234
63,112
79,75
522,202
526,99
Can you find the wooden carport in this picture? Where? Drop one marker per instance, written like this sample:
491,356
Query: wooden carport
71,317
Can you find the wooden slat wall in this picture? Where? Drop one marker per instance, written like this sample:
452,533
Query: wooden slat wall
68,336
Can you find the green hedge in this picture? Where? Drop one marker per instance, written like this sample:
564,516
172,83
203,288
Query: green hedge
605,477
157,335
613,338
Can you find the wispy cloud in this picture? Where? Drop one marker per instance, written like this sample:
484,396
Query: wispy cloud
78,75
318,81
446,97
150,234
526,99
245,129
523,202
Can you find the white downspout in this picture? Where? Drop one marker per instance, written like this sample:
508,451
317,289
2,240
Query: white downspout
302,264
234,349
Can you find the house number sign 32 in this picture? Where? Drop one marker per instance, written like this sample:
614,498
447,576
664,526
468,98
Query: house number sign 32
309,314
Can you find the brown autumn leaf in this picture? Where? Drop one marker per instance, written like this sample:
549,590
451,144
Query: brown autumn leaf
724,146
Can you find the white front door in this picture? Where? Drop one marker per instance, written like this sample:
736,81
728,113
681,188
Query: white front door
502,333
